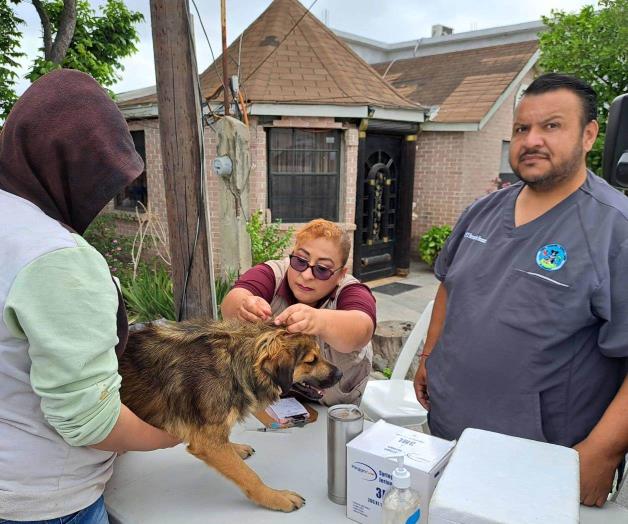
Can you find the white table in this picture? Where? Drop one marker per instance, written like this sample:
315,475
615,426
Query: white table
171,486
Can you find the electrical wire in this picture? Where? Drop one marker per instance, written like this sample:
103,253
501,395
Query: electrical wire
211,50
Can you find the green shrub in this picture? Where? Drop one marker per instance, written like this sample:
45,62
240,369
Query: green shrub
268,242
150,294
387,372
432,242
115,248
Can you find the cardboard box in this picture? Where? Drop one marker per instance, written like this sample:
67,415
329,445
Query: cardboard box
371,461
498,479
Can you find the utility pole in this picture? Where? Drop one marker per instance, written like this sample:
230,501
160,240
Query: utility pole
225,76
181,153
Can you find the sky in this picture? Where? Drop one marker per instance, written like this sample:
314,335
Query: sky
384,20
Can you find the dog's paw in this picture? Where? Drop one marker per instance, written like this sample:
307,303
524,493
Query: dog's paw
281,500
244,450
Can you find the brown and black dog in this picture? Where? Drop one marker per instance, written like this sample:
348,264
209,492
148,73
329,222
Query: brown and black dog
196,379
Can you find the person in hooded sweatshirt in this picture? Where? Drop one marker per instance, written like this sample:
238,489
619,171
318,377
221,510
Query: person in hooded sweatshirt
65,152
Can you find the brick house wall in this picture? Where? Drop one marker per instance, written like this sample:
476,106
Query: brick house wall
455,168
452,170
258,181
438,181
127,221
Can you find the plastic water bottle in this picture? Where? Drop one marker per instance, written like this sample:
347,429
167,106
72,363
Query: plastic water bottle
401,504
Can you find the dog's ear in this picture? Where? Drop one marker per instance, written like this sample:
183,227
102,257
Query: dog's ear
283,377
280,369
278,360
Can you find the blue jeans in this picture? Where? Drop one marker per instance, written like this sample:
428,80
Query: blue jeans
92,514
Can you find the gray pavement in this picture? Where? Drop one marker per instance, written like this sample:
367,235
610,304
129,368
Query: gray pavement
408,305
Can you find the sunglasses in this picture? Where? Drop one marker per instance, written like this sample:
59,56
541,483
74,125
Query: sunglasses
320,272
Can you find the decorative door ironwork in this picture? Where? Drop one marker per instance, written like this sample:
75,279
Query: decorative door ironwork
377,210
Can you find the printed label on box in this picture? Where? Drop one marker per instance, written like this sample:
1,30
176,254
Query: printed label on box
370,464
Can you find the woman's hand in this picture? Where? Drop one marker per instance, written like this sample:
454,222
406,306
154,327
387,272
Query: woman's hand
253,309
300,318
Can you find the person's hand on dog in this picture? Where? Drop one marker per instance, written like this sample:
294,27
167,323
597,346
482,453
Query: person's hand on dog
300,318
253,309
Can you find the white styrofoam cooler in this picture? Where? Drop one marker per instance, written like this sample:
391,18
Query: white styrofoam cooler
498,479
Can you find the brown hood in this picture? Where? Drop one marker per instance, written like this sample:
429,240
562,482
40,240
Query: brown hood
66,148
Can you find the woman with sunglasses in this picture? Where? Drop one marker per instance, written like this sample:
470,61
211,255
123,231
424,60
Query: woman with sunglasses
311,292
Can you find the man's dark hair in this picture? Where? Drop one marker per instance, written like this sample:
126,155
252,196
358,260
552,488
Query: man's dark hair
553,81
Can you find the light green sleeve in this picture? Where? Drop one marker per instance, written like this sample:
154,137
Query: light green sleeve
64,303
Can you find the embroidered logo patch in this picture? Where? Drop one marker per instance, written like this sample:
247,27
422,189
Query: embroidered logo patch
551,257
477,238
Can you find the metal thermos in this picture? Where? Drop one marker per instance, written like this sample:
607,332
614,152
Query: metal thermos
344,423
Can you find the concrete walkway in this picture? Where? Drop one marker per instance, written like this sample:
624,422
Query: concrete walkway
409,304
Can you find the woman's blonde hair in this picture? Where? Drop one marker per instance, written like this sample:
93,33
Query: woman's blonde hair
321,228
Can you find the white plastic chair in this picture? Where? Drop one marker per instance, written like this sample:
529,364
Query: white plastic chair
623,484
394,400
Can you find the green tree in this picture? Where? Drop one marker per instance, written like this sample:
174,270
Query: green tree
592,45
98,44
9,55
73,36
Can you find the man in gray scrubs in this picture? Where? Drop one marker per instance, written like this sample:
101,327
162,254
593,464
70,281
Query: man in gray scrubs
529,334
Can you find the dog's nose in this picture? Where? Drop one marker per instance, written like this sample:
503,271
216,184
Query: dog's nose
336,376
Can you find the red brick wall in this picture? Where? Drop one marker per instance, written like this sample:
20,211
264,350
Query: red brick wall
258,192
455,168
452,170
438,180
127,223
258,182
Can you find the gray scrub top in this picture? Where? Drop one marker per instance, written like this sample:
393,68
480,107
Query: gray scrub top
535,340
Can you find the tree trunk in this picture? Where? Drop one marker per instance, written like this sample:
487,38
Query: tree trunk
45,25
388,339
56,51
65,33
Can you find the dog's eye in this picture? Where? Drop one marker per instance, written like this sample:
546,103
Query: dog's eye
310,359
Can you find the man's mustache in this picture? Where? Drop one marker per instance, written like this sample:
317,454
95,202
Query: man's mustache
533,152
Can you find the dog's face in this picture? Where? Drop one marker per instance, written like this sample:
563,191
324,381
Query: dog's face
295,359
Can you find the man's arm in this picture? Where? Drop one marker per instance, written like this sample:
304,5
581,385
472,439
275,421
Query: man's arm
64,305
130,433
603,450
433,334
